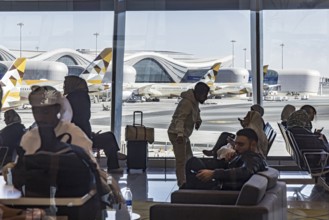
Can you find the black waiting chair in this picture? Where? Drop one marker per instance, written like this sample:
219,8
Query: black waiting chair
270,134
314,159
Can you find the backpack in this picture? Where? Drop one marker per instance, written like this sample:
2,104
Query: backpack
57,169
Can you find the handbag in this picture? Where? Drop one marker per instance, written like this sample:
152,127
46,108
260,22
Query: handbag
138,132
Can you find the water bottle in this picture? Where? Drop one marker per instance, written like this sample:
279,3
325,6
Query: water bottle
129,201
9,177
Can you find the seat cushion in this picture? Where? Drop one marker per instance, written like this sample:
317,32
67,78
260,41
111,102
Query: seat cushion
272,176
253,190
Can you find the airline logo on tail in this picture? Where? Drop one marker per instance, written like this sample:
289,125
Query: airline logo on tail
265,69
12,81
99,66
210,76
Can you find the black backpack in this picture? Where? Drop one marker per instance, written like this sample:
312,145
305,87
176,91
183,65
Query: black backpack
57,169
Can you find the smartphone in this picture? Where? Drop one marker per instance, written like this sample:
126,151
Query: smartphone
318,130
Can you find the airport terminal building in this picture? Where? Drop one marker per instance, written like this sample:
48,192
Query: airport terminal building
148,67
155,67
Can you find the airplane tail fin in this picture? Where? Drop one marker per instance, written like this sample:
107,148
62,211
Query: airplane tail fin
265,69
12,81
211,75
100,63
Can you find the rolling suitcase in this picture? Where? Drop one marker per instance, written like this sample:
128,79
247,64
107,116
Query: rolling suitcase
137,149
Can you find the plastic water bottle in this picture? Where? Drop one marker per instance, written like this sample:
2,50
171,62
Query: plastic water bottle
9,177
129,201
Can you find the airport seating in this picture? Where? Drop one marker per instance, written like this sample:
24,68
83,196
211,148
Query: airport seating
270,134
314,159
261,197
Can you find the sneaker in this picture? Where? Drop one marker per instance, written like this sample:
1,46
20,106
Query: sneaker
122,156
208,153
117,170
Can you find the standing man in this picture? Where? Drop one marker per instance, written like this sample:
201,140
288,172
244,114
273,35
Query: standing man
186,117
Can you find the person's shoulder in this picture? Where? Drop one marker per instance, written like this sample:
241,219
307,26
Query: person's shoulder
31,133
66,125
70,127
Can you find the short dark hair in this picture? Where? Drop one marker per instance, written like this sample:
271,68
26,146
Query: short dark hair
249,133
201,88
307,108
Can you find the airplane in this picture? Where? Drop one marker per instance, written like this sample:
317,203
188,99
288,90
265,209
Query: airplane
93,74
170,90
239,88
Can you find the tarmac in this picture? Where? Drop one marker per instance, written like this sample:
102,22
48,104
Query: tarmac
218,115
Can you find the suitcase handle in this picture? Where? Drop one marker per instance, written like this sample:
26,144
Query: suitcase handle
134,118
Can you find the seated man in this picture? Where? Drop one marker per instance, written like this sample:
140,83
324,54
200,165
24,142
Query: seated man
286,112
231,173
311,112
76,91
298,123
253,120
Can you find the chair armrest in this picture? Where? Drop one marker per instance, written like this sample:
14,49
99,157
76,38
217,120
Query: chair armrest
317,162
194,196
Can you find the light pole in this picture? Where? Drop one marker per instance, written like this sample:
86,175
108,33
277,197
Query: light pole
282,45
96,35
233,41
245,58
20,38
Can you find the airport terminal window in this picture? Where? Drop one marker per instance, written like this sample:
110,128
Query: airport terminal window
75,70
185,45
148,70
185,40
296,50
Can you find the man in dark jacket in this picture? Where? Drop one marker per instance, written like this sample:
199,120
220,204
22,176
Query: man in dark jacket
76,91
231,174
11,134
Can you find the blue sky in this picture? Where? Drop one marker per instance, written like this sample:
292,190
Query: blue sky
305,34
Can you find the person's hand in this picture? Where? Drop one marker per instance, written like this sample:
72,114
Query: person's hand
230,141
318,131
321,137
197,125
230,155
5,169
205,175
179,139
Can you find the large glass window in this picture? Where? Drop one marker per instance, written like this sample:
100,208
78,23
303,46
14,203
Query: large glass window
167,52
296,52
182,47
148,70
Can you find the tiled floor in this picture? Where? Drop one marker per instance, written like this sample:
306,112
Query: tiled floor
156,185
